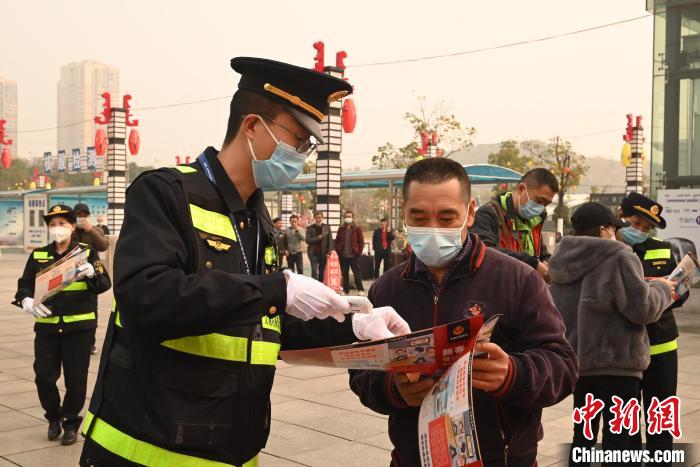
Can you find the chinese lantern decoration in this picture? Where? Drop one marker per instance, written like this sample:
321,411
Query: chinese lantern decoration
349,115
567,170
626,156
318,59
6,157
134,138
134,142
96,181
435,138
100,142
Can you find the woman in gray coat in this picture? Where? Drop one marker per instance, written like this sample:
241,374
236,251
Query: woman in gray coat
598,286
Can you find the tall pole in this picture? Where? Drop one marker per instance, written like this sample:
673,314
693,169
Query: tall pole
328,166
116,170
633,155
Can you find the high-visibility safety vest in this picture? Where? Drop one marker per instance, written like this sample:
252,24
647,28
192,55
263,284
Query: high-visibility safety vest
165,400
517,234
658,261
74,307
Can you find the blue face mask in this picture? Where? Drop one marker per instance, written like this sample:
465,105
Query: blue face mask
632,236
283,166
435,246
531,208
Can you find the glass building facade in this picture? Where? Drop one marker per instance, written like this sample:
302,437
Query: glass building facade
675,132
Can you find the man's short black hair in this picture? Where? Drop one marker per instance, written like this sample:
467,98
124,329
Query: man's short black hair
293,216
437,170
383,219
246,102
276,220
347,211
536,178
317,213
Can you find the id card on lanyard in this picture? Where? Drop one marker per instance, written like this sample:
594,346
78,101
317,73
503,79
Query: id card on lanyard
202,159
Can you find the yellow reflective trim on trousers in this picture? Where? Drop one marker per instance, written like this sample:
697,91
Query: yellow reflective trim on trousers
264,353
141,452
185,169
67,318
663,348
272,323
74,286
49,320
212,222
223,347
661,253
82,317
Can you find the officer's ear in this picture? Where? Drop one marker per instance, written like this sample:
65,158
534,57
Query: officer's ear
248,125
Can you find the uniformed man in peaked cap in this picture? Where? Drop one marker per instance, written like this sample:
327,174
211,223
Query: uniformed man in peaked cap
201,308
661,377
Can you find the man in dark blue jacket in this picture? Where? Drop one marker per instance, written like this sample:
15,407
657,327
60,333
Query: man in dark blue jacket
451,275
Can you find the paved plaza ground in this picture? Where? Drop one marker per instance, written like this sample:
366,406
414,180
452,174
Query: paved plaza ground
316,419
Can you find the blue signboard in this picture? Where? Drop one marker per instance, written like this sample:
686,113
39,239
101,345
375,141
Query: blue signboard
47,163
76,159
91,158
62,160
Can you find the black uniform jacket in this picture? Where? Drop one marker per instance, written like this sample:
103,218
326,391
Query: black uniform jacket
72,302
174,280
665,329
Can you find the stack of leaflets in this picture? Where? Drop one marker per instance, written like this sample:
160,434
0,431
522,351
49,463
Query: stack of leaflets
685,274
59,275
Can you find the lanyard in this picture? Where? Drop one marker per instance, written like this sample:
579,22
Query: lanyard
202,159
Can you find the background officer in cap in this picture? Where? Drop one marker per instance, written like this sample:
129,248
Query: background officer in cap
661,377
202,311
65,325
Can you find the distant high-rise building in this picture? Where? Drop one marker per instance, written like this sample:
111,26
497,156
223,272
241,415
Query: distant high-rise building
8,110
79,101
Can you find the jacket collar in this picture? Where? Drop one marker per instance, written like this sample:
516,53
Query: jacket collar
468,261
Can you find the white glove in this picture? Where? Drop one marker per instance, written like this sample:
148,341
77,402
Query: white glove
308,298
384,322
37,311
85,270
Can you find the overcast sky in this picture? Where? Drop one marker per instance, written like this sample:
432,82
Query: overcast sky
176,51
